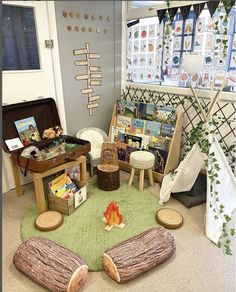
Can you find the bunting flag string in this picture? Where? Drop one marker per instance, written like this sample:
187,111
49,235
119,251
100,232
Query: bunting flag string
211,5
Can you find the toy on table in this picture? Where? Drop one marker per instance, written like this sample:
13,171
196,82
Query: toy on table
112,217
52,132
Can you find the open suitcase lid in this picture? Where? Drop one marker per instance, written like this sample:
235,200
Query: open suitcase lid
44,112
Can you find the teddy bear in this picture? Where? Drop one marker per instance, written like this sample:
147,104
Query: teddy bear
52,132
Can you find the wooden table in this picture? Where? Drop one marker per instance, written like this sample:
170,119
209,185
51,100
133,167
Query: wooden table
38,179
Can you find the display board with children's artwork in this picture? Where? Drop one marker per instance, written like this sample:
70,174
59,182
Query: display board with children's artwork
145,126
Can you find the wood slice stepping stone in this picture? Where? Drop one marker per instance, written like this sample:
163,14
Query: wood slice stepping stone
169,218
49,220
133,257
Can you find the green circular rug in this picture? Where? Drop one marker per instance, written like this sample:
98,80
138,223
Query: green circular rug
83,232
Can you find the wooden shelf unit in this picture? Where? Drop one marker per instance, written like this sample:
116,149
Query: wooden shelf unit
174,151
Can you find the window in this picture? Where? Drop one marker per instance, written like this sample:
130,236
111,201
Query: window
20,49
151,60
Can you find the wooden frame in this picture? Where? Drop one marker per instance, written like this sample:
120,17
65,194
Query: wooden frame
174,150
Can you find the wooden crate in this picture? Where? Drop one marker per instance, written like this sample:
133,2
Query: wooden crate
67,207
173,154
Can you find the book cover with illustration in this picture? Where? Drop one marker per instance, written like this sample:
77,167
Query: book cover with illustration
123,122
160,159
152,128
121,150
166,115
145,140
142,108
117,133
150,110
129,150
133,141
137,126
27,130
167,130
161,143
126,108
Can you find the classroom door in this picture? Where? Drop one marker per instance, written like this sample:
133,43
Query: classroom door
27,67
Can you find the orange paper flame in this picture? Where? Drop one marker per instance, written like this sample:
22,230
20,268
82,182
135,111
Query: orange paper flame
112,214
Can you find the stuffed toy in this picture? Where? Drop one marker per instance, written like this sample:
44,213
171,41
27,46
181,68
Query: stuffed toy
52,132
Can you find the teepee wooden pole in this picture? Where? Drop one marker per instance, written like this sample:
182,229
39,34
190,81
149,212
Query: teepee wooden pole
213,102
198,102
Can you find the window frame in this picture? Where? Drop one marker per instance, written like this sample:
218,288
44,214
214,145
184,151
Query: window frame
129,14
27,5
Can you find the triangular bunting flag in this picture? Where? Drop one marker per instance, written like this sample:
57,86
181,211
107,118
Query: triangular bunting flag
228,8
212,5
172,12
161,14
198,9
185,10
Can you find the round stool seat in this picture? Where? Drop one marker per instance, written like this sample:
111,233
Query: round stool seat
49,220
169,218
142,159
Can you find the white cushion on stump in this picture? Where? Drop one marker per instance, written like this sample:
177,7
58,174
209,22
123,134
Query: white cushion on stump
142,159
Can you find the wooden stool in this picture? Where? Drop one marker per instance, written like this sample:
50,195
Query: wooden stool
141,160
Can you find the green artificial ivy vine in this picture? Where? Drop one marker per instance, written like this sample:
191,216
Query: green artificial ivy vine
200,135
167,29
221,45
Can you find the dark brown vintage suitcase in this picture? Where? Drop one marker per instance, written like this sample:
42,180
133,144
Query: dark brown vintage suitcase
46,115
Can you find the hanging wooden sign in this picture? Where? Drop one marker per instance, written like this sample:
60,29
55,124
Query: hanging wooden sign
81,63
96,75
95,69
81,77
80,52
96,82
92,72
87,90
94,98
92,105
94,56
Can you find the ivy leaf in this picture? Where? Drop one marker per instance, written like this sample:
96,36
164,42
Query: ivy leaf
232,231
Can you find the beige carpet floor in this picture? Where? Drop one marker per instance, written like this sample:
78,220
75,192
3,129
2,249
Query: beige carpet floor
197,266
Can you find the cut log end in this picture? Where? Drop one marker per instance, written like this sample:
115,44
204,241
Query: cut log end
110,268
78,279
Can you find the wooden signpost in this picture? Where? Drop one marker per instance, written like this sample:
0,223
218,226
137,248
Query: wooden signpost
92,73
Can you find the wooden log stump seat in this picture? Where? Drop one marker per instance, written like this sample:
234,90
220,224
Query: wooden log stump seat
108,174
134,256
51,265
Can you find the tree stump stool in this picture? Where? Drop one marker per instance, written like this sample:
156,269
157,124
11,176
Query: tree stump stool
108,177
132,257
51,265
141,160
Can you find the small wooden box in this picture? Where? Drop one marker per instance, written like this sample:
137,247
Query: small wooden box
67,207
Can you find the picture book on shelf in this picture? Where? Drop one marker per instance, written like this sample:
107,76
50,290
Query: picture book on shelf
160,159
166,115
133,141
117,133
142,109
161,143
145,140
137,126
123,122
27,130
129,150
150,111
167,130
121,150
127,108
152,128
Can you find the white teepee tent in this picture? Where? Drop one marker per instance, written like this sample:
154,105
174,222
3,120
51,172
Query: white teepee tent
188,171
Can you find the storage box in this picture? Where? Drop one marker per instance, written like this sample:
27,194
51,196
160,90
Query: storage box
67,207
46,115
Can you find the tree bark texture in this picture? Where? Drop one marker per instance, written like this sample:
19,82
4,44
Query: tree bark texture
134,256
51,265
108,177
